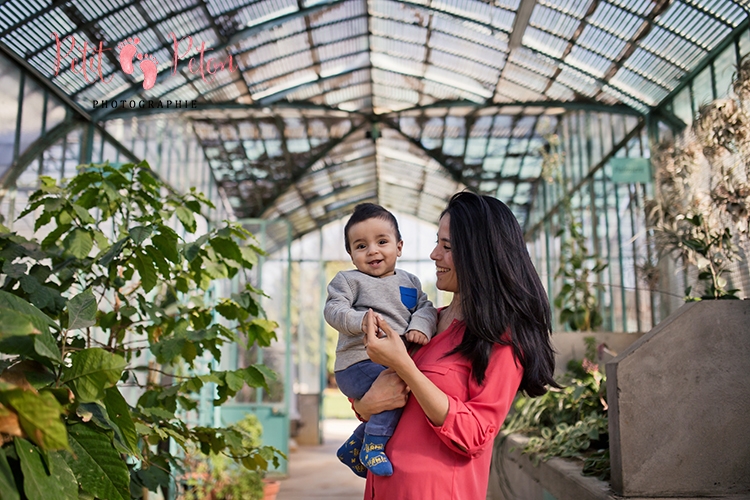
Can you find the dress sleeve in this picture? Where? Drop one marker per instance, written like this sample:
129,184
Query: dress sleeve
471,426
424,318
339,311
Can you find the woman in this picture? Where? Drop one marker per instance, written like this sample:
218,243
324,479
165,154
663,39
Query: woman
493,339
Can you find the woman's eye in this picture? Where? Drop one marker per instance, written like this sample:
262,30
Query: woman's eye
448,249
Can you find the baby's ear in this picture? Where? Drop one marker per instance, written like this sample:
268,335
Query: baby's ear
400,246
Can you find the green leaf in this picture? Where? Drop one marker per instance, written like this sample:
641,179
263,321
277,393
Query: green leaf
227,247
112,252
92,371
15,323
265,371
82,213
119,413
234,381
39,417
97,465
167,245
262,331
139,234
8,488
82,310
46,347
187,218
161,263
79,243
249,256
167,349
41,321
54,235
60,483
253,377
97,414
146,270
14,270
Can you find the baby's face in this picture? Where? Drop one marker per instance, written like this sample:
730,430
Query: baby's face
374,247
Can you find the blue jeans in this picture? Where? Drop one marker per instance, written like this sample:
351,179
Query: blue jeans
354,382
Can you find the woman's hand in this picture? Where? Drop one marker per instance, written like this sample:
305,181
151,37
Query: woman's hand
388,392
388,350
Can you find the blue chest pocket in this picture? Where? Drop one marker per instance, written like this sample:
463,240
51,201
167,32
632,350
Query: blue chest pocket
408,297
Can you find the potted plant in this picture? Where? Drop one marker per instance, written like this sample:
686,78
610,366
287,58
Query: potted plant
231,477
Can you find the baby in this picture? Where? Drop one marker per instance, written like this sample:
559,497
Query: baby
373,241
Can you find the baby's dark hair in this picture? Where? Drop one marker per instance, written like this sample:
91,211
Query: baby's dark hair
365,211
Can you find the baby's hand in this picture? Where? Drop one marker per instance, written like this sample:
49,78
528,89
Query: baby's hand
417,337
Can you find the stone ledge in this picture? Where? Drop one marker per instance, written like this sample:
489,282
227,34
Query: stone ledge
562,478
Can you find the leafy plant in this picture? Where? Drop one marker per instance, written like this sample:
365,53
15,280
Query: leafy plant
120,271
570,422
221,479
576,300
701,207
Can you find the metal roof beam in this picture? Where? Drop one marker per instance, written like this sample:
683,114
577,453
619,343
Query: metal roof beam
568,105
265,101
35,149
228,106
520,23
294,178
275,59
598,80
236,38
740,30
271,23
438,157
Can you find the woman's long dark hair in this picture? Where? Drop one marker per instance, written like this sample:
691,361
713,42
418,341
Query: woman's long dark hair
500,290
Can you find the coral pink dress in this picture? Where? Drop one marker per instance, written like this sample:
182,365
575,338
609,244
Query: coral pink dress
450,462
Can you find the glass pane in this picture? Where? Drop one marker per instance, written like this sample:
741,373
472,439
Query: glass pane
31,119
9,81
745,43
702,89
682,107
55,112
724,67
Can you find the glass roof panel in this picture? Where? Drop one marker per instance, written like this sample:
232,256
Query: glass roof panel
333,103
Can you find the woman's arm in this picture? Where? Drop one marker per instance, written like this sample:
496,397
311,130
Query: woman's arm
391,351
388,392
467,426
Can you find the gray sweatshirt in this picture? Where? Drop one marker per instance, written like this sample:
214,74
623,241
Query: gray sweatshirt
398,298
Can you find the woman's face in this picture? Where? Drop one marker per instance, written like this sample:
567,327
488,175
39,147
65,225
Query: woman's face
446,272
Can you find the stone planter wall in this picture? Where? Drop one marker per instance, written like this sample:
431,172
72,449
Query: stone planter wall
679,415
679,405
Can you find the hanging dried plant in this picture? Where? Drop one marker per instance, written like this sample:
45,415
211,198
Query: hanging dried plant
722,127
701,206
741,81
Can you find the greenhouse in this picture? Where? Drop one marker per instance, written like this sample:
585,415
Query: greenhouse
175,182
